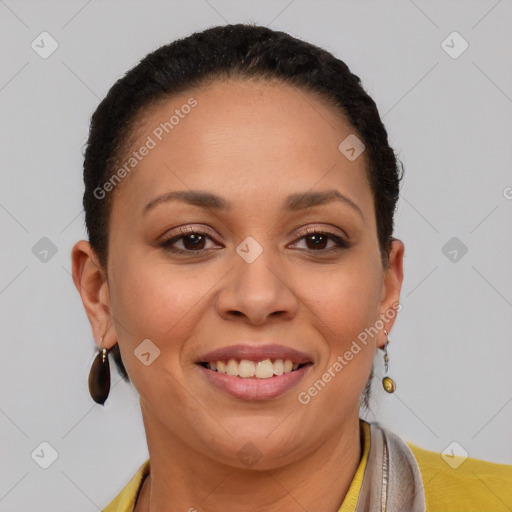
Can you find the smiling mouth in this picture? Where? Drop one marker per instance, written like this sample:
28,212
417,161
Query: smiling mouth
247,369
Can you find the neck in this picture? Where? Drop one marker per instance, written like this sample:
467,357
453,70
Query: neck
189,481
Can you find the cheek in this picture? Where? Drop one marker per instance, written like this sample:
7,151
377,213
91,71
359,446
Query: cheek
152,302
346,304
345,299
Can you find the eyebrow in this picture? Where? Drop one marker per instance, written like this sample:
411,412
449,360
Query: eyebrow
294,202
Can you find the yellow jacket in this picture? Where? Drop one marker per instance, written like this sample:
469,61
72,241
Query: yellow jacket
474,486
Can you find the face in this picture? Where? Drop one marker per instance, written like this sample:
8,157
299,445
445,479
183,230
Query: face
283,263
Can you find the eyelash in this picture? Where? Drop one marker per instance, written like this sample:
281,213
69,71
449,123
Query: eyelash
167,243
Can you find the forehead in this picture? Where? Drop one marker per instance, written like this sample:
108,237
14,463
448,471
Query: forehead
249,140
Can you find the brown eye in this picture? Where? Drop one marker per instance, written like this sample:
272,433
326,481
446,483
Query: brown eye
193,242
317,240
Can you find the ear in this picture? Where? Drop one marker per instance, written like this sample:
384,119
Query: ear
92,284
393,277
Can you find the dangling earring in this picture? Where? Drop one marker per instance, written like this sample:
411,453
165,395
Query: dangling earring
99,377
387,382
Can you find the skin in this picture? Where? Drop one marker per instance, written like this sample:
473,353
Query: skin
252,143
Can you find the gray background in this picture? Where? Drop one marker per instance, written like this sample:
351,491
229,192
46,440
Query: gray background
449,119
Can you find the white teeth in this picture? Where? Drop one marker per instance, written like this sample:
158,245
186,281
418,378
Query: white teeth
278,367
246,369
232,368
264,369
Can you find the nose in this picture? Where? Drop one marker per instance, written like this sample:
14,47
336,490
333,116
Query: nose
257,291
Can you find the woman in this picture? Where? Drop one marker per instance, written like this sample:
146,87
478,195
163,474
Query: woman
239,201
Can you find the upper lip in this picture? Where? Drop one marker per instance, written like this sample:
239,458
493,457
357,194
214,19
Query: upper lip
255,353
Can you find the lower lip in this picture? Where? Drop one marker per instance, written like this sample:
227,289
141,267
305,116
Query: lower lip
254,388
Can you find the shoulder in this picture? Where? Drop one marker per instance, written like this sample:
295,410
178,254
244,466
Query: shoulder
454,483
125,500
